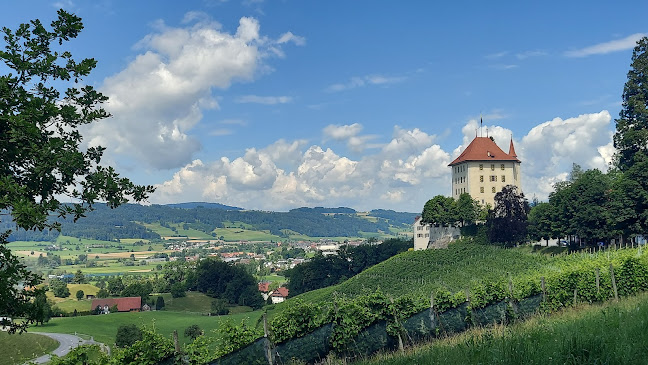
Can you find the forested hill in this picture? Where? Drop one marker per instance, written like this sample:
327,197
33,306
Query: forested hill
128,221
191,205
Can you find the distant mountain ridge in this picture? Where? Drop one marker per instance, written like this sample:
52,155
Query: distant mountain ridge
192,205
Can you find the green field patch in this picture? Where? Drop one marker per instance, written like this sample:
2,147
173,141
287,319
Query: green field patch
237,224
157,228
133,240
240,234
104,327
194,302
19,348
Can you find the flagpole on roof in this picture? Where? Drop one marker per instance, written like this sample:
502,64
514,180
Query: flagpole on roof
481,125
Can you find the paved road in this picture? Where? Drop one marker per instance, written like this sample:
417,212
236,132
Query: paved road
66,343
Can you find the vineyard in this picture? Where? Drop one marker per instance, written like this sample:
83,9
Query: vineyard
418,273
435,293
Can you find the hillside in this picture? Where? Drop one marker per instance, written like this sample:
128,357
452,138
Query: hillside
211,220
418,273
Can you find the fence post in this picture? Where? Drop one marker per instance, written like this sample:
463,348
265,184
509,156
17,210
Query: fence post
614,286
400,339
268,345
598,285
575,296
176,345
544,291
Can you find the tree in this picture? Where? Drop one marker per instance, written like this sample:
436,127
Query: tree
193,331
219,307
103,293
59,288
440,210
507,222
159,303
40,146
80,294
631,137
115,285
178,290
127,335
541,223
79,278
41,309
467,209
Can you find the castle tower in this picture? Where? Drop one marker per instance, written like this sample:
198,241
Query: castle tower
483,169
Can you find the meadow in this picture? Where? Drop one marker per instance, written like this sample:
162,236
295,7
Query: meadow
18,348
104,327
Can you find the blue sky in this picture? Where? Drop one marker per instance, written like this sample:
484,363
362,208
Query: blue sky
279,104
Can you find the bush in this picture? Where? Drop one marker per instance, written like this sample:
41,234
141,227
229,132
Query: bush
193,331
178,290
80,294
159,303
127,335
219,307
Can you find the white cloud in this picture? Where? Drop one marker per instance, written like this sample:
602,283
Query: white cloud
403,174
160,96
349,134
290,37
357,81
616,45
494,56
266,100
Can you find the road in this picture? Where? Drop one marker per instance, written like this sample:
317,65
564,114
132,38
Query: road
66,343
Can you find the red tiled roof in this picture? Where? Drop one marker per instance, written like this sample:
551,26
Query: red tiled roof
484,149
123,304
264,287
280,292
512,149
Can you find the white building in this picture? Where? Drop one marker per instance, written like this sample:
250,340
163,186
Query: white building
483,169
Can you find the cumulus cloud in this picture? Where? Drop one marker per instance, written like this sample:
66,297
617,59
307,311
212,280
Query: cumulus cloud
402,174
616,45
350,134
160,96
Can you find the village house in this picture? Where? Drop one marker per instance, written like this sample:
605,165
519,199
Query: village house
126,304
279,295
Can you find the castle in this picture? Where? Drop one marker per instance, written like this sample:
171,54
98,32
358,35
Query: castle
481,170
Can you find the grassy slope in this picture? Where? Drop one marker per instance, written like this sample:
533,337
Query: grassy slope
104,327
609,333
420,272
16,349
70,303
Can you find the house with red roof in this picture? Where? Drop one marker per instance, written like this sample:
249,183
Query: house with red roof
279,295
126,304
483,169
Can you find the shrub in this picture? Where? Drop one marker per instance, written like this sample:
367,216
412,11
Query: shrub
127,335
193,331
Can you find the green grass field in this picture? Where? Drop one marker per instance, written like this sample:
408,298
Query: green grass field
241,234
18,348
194,302
104,327
608,333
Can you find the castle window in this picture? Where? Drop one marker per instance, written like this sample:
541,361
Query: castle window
492,167
493,178
427,235
481,189
481,178
481,166
503,178
419,235
493,189
502,166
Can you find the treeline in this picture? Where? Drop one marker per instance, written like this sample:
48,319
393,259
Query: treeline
19,234
323,271
593,207
118,223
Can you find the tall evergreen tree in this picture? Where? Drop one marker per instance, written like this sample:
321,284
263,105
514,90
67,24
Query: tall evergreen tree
631,137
